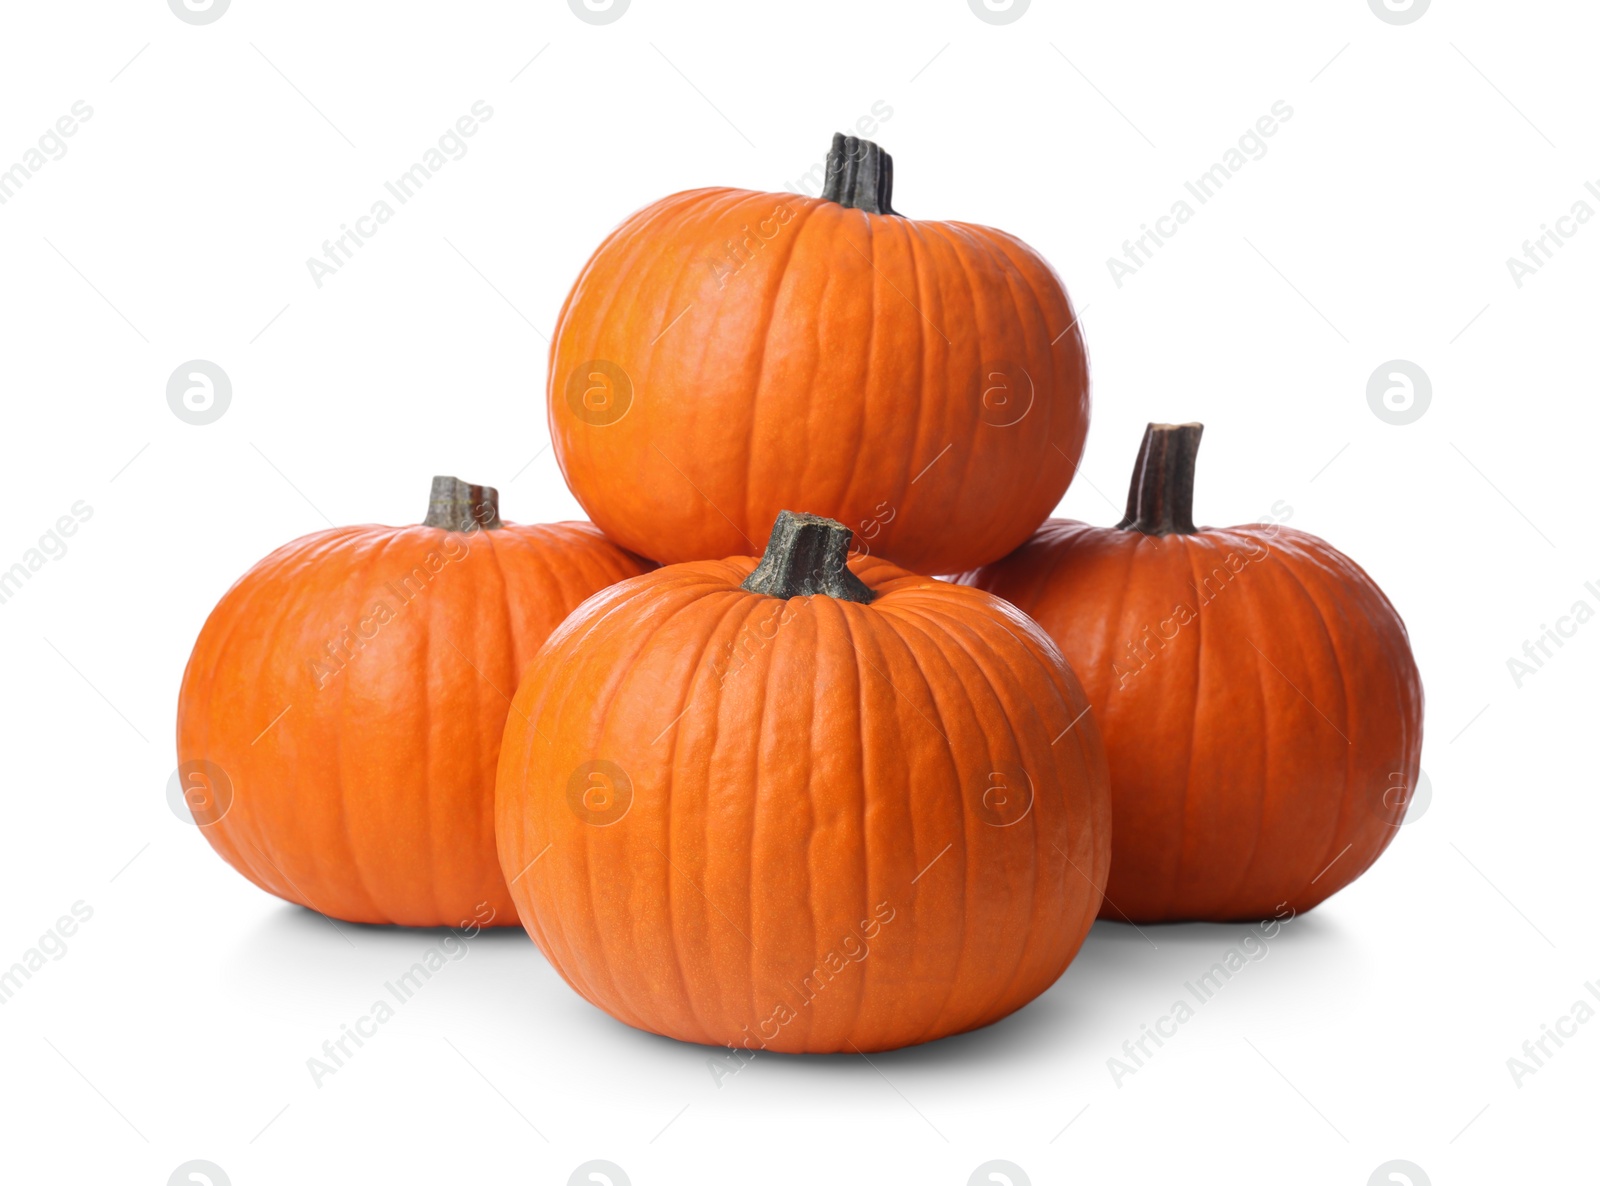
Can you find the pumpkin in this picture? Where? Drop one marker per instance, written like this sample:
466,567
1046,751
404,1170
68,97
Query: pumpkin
341,714
1261,709
805,805
721,343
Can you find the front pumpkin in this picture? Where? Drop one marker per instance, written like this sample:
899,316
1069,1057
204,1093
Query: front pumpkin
804,806
1261,709
341,713
722,345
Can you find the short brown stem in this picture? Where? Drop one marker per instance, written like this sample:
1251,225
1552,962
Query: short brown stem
860,175
806,556
460,506
1161,495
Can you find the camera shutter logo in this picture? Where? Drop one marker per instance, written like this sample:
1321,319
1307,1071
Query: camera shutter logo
599,392
1399,1173
199,792
1399,392
999,1173
1006,798
1399,12
1410,801
998,12
198,12
199,392
598,1173
598,12
1005,392
199,1173
600,793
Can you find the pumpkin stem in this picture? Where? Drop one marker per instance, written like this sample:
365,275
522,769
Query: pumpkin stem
860,175
805,556
1161,495
460,506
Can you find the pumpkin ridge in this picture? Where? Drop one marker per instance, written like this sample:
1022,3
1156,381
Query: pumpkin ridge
949,627
870,635
752,511
838,492
639,220
1266,783
1005,684
1353,574
971,259
355,576
693,408
291,608
868,359
1004,246
428,807
518,538
1022,264
806,898
202,668
1131,548
693,687
767,658
1286,563
600,720
670,210
866,980
950,496
1194,720
905,236
595,337
917,635
551,925
529,734
549,928
973,422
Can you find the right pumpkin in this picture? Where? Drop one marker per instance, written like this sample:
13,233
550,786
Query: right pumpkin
1261,709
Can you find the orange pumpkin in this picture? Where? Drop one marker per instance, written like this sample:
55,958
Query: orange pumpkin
1261,708
341,714
803,806
722,343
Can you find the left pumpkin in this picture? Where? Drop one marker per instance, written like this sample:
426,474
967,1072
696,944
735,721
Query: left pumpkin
340,717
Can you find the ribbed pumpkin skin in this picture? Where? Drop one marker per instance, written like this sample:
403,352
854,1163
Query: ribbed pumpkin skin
1251,750
371,797
857,365
825,772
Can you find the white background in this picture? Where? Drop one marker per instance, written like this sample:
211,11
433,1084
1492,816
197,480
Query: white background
1377,226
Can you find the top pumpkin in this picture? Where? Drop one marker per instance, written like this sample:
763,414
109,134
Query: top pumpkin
727,353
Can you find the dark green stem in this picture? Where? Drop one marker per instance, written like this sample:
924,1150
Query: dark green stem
806,556
460,506
1161,495
860,175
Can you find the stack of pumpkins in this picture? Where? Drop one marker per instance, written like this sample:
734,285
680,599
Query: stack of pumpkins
809,801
